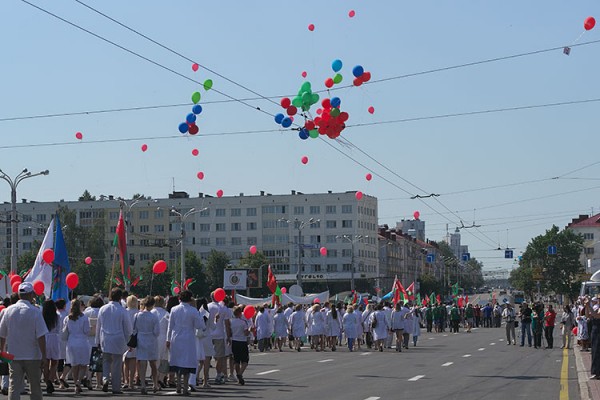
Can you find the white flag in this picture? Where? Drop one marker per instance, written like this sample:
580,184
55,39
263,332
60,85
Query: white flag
42,271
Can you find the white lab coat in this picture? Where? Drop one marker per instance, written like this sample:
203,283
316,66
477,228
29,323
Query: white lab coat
163,324
148,330
113,328
381,330
181,333
263,325
281,325
78,346
349,321
297,324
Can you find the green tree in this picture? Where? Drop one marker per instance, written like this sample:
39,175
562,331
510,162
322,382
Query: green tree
522,279
195,270
87,196
151,283
428,283
215,265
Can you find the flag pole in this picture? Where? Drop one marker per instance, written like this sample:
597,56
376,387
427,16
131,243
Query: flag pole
112,272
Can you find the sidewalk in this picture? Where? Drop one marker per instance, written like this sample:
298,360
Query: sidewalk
588,388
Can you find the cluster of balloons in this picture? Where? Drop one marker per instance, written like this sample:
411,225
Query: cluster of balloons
331,120
189,126
304,100
336,66
360,75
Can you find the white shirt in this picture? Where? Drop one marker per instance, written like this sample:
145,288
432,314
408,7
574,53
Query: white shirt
238,325
22,325
218,314
113,328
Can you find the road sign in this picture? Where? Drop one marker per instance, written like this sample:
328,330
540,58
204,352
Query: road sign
466,256
552,250
430,258
508,254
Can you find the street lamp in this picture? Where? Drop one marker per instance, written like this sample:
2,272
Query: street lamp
14,182
182,218
300,225
353,241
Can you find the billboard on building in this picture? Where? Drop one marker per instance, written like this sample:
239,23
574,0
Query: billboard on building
235,279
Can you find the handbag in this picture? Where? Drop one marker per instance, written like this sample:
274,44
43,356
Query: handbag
96,360
516,324
4,369
133,342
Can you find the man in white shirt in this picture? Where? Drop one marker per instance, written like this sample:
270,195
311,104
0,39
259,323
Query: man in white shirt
113,330
24,331
219,316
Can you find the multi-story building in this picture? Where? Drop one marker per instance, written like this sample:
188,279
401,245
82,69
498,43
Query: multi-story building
412,227
289,229
589,228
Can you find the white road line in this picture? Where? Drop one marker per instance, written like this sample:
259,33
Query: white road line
481,349
365,354
416,378
267,372
449,363
501,340
431,338
466,356
492,344
445,335
372,398
328,360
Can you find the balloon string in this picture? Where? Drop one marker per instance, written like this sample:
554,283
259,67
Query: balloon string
579,37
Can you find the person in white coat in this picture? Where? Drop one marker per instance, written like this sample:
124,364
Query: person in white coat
181,340
409,326
417,318
76,329
113,330
316,322
263,329
133,306
161,342
91,312
359,309
281,327
397,324
298,326
380,325
148,330
287,313
366,323
333,321
349,322
53,343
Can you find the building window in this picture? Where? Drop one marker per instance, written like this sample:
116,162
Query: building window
330,210
41,231
26,246
317,268
330,239
144,228
236,212
236,255
26,231
347,209
251,212
346,252
251,241
315,238
204,241
205,212
236,241
331,224
41,218
236,226
588,236
347,267
331,253
26,217
299,210
347,223
315,224
144,256
220,227
204,227
220,241
144,242
315,210
589,250
159,228
283,238
144,214
220,212
159,213
113,215
251,226
331,267
269,223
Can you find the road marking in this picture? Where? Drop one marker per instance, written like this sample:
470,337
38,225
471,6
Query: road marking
416,378
328,360
449,363
445,335
564,376
365,354
372,398
431,338
501,340
267,372
481,349
492,344
466,356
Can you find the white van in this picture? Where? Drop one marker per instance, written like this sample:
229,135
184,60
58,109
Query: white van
591,287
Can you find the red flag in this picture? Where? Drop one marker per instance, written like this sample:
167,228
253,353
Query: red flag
460,302
426,300
467,299
401,289
121,241
271,281
438,298
411,292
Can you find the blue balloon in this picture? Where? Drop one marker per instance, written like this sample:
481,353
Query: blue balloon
279,117
303,134
197,109
183,127
336,65
358,71
335,102
287,122
191,118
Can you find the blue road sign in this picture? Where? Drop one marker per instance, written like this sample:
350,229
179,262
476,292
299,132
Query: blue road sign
430,258
552,250
466,256
508,254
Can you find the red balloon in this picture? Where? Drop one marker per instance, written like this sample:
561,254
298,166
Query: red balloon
79,135
285,102
252,249
159,267
329,83
219,295
15,279
352,13
88,260
371,110
219,193
304,160
291,110
48,256
316,300
195,152
193,129
323,251
304,74
2,307
311,27
15,287
72,280
249,312
366,76
144,147
358,195
589,23
368,177
195,67
343,116
357,82
38,287
283,290
200,175
574,331
416,214
309,125
176,290
326,103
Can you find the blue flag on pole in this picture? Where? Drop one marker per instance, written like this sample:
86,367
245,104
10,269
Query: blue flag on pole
61,266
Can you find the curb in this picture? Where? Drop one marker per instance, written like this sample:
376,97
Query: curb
582,376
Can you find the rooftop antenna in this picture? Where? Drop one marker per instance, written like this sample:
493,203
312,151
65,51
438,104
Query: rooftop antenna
173,178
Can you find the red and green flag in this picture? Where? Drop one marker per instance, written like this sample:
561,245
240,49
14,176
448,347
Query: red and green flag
120,241
272,281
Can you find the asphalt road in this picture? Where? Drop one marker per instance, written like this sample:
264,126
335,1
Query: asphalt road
464,366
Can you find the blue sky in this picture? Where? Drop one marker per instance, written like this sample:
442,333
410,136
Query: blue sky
50,67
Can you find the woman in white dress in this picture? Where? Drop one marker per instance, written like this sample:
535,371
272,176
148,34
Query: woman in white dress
297,326
163,322
334,326
54,325
281,327
397,325
181,340
76,328
316,322
416,325
359,325
409,326
349,323
366,324
130,354
91,312
380,326
207,345
148,330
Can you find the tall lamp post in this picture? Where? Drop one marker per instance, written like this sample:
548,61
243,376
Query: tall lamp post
353,240
14,182
182,218
300,225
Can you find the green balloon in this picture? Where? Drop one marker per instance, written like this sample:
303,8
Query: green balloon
338,78
208,84
314,99
313,134
306,87
195,97
334,112
297,101
306,98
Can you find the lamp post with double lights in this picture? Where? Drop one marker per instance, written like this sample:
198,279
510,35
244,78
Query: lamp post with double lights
300,225
352,240
14,182
182,217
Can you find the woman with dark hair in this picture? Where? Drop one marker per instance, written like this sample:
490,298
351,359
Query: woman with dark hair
206,340
91,312
281,327
181,340
567,322
334,326
54,325
76,329
163,353
172,302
